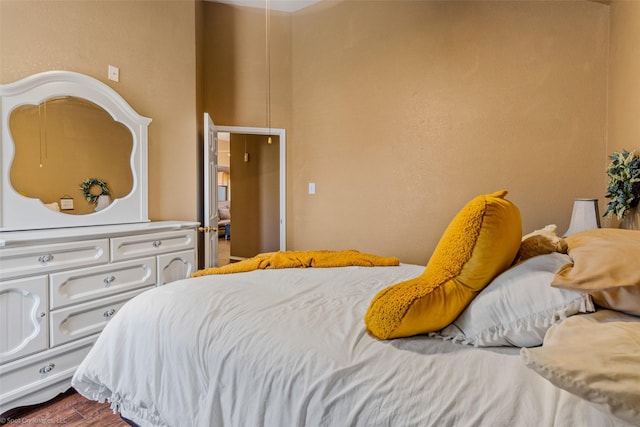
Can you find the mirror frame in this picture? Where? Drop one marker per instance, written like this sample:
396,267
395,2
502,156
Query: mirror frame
18,212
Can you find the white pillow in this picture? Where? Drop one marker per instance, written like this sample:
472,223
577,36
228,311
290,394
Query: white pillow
518,306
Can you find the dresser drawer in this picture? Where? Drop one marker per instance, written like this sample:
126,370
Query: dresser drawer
175,266
78,321
31,374
42,259
76,286
128,247
23,317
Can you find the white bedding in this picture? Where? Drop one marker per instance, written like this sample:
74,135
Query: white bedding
289,348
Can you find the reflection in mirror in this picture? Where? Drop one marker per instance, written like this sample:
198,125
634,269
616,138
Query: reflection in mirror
61,143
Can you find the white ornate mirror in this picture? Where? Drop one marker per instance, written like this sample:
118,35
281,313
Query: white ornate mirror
74,153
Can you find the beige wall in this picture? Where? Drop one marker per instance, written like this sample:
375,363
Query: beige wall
235,67
624,77
405,110
255,207
402,111
154,45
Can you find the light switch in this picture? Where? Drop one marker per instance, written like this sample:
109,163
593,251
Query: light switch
114,73
312,188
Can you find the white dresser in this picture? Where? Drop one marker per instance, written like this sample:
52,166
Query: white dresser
59,288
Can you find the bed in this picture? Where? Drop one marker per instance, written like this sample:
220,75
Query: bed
288,347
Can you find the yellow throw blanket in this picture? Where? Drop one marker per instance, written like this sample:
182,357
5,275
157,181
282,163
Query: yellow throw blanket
302,259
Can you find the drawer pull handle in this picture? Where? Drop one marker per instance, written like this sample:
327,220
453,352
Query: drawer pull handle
108,281
107,314
47,368
45,258
42,314
157,243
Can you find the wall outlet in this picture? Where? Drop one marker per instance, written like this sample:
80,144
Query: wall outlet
114,73
312,188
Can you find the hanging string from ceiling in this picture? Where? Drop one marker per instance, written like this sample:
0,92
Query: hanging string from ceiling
267,38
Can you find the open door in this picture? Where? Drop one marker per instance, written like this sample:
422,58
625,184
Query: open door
210,194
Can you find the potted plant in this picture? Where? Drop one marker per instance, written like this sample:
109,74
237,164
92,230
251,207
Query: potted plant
623,190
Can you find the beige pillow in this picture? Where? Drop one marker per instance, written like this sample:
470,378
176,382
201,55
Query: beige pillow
224,214
606,265
594,356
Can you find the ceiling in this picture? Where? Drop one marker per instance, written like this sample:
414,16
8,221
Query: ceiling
295,5
280,5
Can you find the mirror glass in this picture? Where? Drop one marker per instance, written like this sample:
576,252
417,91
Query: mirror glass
67,148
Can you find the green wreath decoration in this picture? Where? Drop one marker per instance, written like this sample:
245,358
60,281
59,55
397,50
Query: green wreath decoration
86,185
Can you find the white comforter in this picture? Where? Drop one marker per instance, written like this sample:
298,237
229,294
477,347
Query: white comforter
289,348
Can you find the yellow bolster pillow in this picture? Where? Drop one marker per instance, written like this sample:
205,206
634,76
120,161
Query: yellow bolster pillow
480,242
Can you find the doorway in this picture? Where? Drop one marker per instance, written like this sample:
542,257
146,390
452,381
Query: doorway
255,193
224,198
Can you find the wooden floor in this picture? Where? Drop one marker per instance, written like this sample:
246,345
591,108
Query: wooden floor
68,409
71,409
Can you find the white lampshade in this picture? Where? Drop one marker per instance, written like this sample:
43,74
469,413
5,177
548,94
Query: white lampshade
585,216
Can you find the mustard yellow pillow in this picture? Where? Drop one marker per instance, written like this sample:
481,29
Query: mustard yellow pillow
540,242
480,242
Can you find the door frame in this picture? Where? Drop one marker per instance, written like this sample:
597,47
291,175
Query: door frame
281,133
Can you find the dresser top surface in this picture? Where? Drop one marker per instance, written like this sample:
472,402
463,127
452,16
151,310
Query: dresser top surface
19,238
